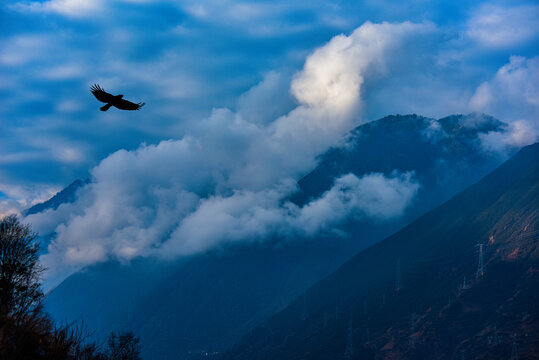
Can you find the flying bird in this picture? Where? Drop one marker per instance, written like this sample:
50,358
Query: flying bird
113,100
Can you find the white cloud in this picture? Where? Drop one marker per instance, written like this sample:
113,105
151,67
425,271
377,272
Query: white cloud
257,215
242,216
514,90
333,74
504,26
267,100
256,18
70,8
64,72
68,106
227,179
10,207
513,96
330,85
373,196
38,192
22,49
519,133
61,150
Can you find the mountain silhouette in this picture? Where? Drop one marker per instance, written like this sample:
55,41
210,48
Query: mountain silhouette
113,100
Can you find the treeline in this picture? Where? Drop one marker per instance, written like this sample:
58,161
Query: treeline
26,330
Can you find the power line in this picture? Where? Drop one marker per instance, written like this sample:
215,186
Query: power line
398,281
349,351
304,310
514,350
480,265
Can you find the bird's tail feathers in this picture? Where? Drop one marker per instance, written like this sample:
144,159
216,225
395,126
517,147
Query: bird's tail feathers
106,107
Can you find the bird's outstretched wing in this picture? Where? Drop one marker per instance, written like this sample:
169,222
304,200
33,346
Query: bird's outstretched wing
101,94
127,105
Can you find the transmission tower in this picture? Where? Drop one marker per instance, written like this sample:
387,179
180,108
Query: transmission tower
413,319
514,351
480,265
497,337
304,310
349,351
462,286
398,281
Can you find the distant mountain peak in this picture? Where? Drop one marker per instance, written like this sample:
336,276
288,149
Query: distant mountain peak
66,195
408,143
456,124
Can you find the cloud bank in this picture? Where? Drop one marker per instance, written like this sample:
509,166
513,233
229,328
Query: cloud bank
229,178
513,93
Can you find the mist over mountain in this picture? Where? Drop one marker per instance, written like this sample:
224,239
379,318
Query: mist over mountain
460,281
444,156
205,303
279,141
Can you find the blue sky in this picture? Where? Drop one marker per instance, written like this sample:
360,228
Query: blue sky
217,74
184,58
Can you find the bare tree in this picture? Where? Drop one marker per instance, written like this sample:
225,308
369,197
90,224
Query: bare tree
26,331
123,346
20,293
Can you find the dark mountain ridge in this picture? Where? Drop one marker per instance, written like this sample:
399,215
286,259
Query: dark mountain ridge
462,281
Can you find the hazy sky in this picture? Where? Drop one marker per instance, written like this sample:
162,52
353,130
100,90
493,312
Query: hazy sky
240,98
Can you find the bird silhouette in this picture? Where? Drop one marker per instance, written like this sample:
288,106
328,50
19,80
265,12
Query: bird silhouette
113,100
